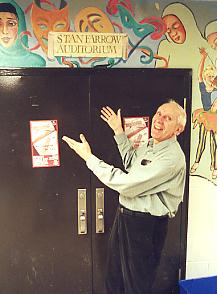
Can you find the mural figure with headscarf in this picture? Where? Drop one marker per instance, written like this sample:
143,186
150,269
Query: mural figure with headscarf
182,42
180,47
182,39
14,51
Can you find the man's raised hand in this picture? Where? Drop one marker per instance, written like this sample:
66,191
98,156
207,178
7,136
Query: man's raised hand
112,119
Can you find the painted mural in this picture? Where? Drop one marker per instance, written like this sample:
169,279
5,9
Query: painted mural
161,34
14,51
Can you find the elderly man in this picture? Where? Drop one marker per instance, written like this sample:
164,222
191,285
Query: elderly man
150,189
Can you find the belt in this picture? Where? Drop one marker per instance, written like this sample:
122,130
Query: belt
124,210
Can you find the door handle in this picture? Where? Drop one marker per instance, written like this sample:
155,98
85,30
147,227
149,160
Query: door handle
82,212
100,226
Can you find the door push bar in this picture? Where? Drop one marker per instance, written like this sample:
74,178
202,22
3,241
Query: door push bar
100,228
82,211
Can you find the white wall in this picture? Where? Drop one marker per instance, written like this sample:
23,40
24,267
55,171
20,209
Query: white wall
202,229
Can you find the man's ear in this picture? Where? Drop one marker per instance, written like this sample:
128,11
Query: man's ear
179,130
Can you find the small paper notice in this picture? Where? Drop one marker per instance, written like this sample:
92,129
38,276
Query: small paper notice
137,129
44,143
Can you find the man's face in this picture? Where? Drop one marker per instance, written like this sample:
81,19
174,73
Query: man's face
8,29
165,123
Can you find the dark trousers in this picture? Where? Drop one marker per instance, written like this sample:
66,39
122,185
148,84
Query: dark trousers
134,251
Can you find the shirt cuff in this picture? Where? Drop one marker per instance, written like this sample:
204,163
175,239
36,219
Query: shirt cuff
120,138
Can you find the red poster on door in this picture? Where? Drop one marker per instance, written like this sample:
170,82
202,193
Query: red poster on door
137,129
44,143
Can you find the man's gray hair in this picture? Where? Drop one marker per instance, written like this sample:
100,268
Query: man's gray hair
182,118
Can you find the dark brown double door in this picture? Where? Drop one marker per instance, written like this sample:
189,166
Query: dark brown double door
41,251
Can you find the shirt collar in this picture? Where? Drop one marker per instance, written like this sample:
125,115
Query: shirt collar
160,145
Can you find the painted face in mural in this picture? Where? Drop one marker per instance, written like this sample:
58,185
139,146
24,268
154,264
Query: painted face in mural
212,40
44,21
215,82
92,19
209,77
8,29
175,28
